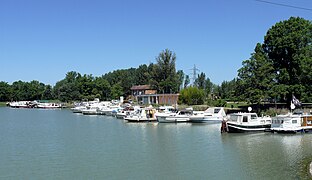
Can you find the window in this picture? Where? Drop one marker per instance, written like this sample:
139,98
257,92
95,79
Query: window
245,118
253,116
216,111
294,121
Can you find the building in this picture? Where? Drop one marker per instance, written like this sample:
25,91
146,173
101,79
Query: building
144,94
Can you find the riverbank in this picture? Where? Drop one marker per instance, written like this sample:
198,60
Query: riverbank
2,104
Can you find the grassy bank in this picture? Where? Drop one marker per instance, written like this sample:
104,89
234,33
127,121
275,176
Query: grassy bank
2,104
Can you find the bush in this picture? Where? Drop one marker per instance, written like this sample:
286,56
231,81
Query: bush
192,96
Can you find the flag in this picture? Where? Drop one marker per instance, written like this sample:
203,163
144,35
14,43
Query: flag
295,101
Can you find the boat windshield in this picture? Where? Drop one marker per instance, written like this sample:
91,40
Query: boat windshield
216,111
253,117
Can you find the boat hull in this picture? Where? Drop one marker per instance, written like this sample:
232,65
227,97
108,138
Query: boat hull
140,119
238,128
292,130
172,119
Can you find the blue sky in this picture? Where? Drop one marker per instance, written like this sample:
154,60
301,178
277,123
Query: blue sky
44,39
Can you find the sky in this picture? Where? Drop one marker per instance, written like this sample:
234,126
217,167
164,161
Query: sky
44,39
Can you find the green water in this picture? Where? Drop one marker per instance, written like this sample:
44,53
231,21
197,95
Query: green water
58,144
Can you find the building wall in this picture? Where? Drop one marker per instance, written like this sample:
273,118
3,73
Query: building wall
169,99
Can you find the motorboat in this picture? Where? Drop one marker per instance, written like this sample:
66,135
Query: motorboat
292,123
78,109
180,116
91,110
22,104
142,115
48,105
247,122
211,115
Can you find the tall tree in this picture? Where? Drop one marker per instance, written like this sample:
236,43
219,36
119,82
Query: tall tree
164,77
208,87
200,80
180,74
286,44
186,81
256,77
5,91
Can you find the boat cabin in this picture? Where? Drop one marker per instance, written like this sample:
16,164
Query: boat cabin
292,120
247,118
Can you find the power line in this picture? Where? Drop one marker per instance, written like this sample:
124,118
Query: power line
285,5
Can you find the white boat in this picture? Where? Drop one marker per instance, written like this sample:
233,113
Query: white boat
142,115
78,109
292,123
247,122
92,109
108,109
21,104
48,105
211,115
180,116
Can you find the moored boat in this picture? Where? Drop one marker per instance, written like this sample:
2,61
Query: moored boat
22,104
247,122
292,123
48,105
142,115
180,116
211,115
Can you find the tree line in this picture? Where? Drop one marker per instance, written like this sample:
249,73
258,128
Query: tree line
162,76
278,69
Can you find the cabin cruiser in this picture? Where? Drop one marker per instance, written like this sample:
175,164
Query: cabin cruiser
21,104
78,109
292,123
142,115
48,105
180,116
93,109
211,115
247,122
108,109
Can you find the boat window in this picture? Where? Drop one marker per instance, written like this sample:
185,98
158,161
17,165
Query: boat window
294,121
245,118
234,118
216,111
309,122
253,116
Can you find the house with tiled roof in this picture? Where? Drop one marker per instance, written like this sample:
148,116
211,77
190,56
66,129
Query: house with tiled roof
144,94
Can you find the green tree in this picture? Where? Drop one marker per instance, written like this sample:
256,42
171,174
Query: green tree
287,44
47,93
142,75
103,88
68,88
164,76
256,77
192,96
19,91
200,81
208,86
116,91
186,81
180,75
5,91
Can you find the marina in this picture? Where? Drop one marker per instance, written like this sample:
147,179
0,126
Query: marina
60,144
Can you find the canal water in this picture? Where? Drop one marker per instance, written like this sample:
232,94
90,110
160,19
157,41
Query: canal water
58,144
